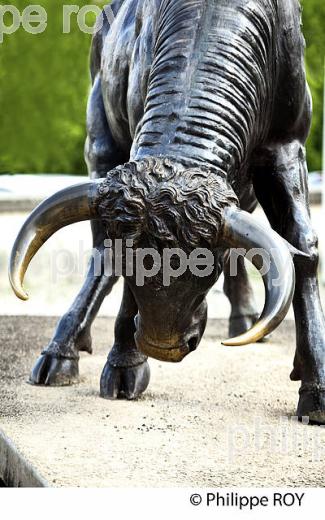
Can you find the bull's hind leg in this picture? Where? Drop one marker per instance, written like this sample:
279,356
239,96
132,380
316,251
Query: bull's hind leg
281,186
58,364
238,290
126,373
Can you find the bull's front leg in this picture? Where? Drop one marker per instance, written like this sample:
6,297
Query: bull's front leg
126,373
58,364
281,185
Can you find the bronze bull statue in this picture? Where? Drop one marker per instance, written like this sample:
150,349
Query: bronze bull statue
198,109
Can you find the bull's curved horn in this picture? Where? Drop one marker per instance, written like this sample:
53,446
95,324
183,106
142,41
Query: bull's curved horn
73,204
241,230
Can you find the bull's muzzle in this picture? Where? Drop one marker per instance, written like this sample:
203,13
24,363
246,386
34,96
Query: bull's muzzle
170,352
173,350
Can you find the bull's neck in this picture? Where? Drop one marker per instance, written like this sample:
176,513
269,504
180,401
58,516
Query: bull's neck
207,88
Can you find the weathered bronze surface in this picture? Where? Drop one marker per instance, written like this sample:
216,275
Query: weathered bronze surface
198,110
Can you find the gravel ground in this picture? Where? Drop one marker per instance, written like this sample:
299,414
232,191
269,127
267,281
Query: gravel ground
222,418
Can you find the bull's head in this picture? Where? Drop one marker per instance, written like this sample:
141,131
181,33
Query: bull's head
161,207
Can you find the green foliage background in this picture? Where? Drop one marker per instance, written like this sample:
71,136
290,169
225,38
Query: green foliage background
44,82
314,31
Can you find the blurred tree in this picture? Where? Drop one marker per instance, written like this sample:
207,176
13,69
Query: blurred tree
314,30
44,83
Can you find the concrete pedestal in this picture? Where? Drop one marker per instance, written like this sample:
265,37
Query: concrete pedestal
218,419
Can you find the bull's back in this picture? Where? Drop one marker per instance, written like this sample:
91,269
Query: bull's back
127,55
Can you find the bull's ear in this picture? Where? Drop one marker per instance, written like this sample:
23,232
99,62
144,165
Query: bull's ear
294,251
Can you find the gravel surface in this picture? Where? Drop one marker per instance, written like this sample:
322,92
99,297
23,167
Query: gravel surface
221,418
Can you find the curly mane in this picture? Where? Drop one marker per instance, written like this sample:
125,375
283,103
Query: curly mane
155,201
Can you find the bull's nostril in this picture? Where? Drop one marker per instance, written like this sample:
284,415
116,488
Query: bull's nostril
193,343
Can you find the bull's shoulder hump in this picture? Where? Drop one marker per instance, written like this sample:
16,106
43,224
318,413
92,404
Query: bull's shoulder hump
103,25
